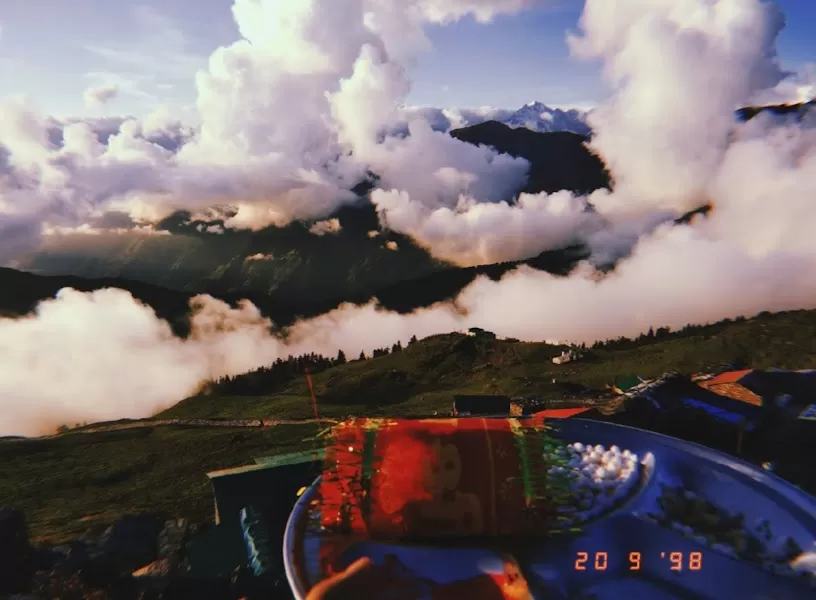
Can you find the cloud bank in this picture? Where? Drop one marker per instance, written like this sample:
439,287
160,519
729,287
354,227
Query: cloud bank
279,136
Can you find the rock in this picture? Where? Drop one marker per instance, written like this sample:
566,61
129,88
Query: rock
16,554
67,558
131,542
172,538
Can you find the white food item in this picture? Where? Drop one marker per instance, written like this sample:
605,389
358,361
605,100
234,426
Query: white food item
597,478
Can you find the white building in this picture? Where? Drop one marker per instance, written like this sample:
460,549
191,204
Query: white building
565,357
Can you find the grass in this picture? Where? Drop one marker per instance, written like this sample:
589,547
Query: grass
72,483
80,481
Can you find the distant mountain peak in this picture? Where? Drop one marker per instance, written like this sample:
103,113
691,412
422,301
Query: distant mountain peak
539,117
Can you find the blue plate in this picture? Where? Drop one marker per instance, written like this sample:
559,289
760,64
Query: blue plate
624,554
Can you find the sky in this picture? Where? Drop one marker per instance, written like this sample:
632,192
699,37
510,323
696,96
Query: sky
132,56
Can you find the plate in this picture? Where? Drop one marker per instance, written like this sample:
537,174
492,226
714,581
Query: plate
646,547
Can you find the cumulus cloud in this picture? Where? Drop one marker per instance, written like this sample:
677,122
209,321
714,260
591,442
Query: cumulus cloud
451,167
799,86
278,136
325,227
274,159
87,229
679,70
475,233
99,95
259,256
392,245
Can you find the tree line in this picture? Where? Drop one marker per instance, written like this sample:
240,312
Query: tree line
662,333
270,378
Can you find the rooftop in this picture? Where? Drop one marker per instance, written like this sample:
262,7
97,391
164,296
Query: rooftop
728,377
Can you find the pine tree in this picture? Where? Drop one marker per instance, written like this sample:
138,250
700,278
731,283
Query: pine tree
362,355
413,340
341,358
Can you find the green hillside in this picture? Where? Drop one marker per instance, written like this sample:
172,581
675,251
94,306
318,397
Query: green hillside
422,377
77,482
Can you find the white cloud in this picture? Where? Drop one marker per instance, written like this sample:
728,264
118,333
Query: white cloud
667,59
325,227
272,142
259,256
86,229
799,86
475,233
41,390
96,96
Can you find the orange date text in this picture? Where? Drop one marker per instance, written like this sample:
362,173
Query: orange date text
599,561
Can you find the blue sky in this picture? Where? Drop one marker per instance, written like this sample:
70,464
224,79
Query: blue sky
53,50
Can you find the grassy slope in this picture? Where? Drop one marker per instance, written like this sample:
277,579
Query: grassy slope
422,377
59,481
76,482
